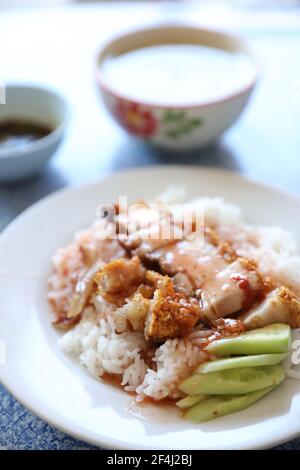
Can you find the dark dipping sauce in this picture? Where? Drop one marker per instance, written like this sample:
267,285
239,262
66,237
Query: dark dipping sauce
15,134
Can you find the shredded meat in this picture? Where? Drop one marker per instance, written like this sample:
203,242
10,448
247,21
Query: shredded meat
119,279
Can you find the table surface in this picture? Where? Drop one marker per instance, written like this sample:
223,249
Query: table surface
57,47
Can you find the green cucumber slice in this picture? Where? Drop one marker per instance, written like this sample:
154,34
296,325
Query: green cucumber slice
187,402
223,405
237,362
273,339
233,381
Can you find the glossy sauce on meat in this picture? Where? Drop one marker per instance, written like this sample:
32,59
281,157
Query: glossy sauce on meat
200,262
224,287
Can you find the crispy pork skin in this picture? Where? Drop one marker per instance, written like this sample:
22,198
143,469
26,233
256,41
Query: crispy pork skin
119,279
171,314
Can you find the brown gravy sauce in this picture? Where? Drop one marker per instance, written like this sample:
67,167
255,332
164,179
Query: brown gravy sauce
16,133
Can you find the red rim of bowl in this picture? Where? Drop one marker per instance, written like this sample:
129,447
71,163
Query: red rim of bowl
243,46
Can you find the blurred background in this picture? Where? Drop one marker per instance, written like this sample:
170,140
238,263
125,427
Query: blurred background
54,43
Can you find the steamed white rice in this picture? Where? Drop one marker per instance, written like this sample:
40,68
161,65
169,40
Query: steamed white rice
101,350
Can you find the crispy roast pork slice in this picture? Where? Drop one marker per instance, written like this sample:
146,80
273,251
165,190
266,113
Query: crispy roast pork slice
171,314
158,310
280,306
237,287
210,271
119,279
199,258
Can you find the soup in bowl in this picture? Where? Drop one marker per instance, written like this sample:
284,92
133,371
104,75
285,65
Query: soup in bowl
176,87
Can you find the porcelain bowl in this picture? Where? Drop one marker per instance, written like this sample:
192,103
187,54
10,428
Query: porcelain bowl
161,125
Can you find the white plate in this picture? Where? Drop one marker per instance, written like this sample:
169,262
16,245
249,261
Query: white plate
55,388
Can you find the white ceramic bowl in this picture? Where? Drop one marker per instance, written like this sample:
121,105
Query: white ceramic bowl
38,105
148,120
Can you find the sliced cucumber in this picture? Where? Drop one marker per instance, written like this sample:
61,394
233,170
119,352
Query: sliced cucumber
233,381
273,339
187,402
218,406
237,362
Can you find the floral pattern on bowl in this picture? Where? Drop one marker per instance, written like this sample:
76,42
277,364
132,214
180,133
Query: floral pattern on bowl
178,123
136,119
148,124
